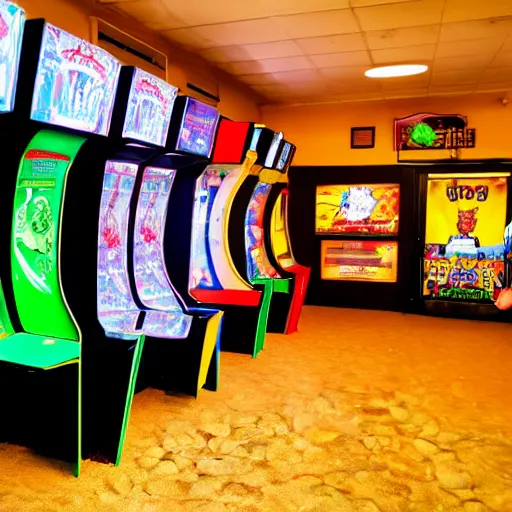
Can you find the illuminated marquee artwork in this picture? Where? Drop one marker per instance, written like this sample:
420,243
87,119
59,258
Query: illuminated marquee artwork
359,260
464,251
361,209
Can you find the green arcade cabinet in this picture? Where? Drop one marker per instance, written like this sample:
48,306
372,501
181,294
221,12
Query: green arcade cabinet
63,106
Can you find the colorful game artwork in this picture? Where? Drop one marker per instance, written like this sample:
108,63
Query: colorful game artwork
149,109
198,128
12,22
464,251
359,260
76,83
358,209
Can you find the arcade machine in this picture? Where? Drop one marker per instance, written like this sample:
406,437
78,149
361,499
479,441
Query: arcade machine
464,256
135,295
63,106
278,240
247,231
198,212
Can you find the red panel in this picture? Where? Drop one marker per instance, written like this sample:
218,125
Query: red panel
39,154
227,297
230,142
299,295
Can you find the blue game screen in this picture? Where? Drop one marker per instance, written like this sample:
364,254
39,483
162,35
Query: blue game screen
76,83
149,110
12,22
198,128
283,157
272,152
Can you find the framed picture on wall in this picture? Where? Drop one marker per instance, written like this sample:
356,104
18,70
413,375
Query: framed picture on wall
367,209
362,137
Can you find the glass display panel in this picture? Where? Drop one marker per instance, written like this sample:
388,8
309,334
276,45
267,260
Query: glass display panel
258,264
283,157
362,209
255,139
272,152
149,110
197,128
279,233
117,311
359,260
12,22
76,83
464,252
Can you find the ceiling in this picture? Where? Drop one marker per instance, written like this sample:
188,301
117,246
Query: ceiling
309,51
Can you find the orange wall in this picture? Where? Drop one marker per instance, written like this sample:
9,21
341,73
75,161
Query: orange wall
322,132
237,101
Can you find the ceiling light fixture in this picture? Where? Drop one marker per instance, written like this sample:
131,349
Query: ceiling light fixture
394,71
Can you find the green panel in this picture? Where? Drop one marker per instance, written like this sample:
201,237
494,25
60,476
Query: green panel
38,351
268,289
282,285
137,354
5,322
35,247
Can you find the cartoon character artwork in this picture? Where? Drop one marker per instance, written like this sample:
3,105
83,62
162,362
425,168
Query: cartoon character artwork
466,225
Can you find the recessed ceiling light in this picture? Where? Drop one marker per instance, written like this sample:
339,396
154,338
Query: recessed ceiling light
393,71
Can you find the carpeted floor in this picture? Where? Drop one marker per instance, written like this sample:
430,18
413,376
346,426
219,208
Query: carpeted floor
360,411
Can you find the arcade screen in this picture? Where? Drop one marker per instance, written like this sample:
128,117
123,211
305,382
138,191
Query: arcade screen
12,21
116,308
198,128
258,264
283,157
272,152
357,209
255,139
464,251
149,110
76,83
359,260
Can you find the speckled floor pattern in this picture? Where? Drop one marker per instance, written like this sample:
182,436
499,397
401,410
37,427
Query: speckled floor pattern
360,411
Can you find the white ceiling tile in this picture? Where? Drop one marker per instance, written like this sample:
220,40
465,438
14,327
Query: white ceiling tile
410,54
284,7
250,67
358,96
285,64
404,82
191,38
332,44
331,60
304,75
271,89
465,10
259,79
507,45
419,92
404,14
441,90
459,76
370,3
382,39
317,24
345,73
494,86
467,48
252,52
151,12
502,59
346,86
479,29
463,62
199,12
497,75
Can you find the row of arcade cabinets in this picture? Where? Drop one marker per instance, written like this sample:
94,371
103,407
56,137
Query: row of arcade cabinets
147,234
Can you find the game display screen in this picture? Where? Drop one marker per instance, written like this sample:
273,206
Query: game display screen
198,128
283,157
464,251
76,83
12,22
149,109
258,264
202,273
117,311
272,152
359,260
35,243
151,278
255,139
357,209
